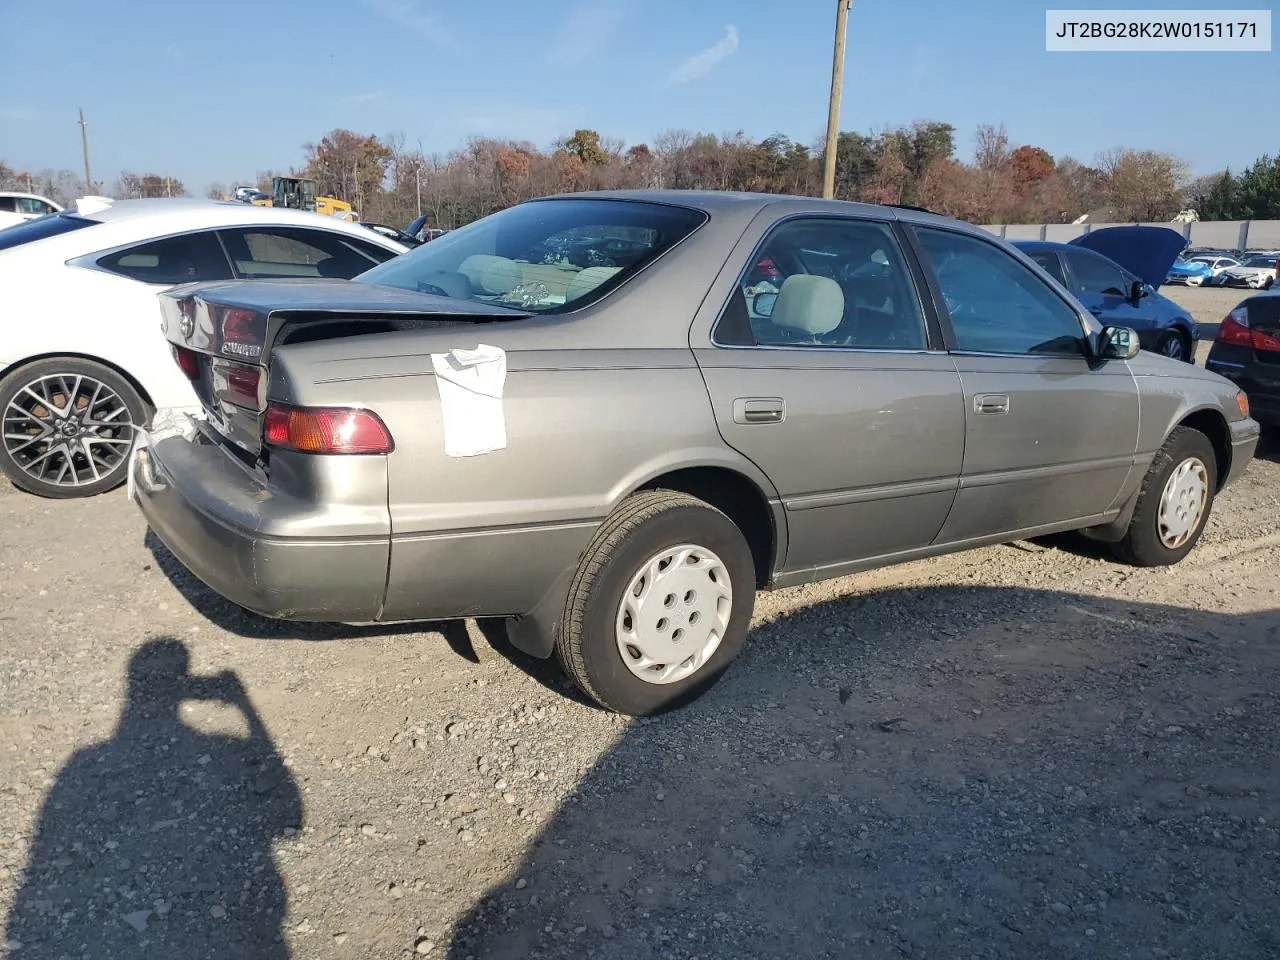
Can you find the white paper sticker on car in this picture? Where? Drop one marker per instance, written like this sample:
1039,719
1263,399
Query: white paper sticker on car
470,384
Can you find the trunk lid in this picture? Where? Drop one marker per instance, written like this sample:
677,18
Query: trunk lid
223,334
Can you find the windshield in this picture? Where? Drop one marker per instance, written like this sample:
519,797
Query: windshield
1267,262
41,227
545,256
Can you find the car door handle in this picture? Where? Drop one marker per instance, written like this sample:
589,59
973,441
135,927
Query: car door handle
991,403
759,410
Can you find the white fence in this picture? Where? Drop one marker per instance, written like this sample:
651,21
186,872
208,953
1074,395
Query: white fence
1224,234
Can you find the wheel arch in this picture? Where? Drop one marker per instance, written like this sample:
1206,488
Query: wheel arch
129,378
1213,425
737,496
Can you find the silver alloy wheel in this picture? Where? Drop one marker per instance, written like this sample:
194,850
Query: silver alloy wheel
1172,346
1182,504
67,430
674,613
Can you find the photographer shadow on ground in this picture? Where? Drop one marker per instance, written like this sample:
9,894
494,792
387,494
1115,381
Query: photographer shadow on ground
157,842
939,771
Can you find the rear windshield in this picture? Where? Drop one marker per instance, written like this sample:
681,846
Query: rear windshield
41,227
545,256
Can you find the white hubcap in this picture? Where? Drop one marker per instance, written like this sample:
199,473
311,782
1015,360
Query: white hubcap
674,613
1182,503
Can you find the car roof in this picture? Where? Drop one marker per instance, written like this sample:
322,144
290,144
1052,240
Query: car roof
28,196
169,214
725,201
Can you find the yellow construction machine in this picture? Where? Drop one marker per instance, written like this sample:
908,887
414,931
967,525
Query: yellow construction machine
299,193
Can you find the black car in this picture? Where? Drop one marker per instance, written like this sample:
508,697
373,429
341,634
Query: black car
392,233
1247,350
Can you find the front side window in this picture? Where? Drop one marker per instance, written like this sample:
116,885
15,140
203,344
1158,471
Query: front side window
1095,275
996,304
544,256
185,259
261,253
826,282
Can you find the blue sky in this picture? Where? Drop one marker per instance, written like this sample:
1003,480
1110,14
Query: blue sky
216,91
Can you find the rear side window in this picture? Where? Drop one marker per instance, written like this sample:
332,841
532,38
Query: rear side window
184,259
30,205
826,282
8,204
1095,275
33,230
283,252
1051,264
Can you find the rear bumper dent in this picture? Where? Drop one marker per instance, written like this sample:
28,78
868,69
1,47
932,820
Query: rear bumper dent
295,578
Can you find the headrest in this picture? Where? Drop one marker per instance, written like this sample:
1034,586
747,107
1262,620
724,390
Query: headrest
489,274
812,304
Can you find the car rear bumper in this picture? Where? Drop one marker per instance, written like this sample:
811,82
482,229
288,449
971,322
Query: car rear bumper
1261,386
214,515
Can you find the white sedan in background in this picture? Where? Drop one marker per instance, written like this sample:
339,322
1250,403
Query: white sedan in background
82,360
16,207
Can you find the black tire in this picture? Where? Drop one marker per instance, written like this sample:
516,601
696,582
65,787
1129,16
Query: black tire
1185,352
1142,545
21,413
641,527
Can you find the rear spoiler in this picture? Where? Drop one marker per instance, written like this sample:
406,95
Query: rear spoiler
244,320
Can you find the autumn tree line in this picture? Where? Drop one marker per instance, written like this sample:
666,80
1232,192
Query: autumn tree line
918,165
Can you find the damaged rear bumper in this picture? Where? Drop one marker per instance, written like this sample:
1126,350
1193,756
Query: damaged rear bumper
237,535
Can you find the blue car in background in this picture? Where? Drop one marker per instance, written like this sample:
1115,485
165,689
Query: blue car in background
1115,272
1200,270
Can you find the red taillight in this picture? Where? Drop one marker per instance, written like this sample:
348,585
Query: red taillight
188,361
238,383
325,430
1235,330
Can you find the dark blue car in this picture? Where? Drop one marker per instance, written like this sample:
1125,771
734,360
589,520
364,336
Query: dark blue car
1115,272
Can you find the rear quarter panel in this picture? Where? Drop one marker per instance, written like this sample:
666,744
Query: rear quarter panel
489,534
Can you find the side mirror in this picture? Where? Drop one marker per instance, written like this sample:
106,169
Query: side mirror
1138,291
1117,343
762,304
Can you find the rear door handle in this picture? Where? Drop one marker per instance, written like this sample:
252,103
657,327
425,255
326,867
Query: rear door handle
991,403
759,410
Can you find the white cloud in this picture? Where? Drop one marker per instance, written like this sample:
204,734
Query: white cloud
584,31
359,98
407,14
701,64
16,113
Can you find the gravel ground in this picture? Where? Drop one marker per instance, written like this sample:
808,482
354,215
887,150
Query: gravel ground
1023,751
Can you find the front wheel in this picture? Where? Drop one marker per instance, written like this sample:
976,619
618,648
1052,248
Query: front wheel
1174,502
660,604
68,426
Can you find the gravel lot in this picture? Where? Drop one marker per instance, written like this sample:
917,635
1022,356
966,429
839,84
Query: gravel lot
1024,751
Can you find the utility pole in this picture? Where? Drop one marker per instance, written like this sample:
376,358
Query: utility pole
833,109
84,143
417,176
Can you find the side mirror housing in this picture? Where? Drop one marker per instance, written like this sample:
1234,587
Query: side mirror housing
762,304
1138,291
1117,343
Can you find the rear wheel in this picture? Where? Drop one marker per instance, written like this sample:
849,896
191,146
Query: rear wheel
1174,502
68,426
660,604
